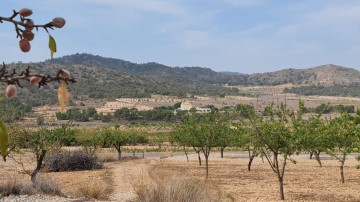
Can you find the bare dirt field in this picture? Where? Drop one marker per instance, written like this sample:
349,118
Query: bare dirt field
304,181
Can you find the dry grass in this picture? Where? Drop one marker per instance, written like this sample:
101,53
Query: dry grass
94,191
12,187
107,157
42,185
47,185
176,190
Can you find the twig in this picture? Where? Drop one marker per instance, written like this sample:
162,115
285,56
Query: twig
14,78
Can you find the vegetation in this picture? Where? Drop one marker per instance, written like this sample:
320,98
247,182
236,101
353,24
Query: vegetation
163,113
203,132
72,161
350,90
175,190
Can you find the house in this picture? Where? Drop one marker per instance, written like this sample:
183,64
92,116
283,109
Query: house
187,106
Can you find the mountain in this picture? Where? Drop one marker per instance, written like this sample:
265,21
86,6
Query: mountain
321,75
326,75
151,69
108,78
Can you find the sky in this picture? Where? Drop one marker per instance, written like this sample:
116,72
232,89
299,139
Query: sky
246,36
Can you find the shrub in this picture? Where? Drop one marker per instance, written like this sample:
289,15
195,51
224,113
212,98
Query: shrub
72,161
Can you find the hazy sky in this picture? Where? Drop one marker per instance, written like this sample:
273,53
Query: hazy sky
225,35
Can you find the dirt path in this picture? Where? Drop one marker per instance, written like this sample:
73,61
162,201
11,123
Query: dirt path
126,175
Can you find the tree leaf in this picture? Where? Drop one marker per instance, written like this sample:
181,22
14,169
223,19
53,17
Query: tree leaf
52,46
3,140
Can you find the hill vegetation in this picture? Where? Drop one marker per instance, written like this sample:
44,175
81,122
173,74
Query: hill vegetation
108,78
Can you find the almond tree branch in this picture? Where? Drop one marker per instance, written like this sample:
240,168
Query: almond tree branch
23,23
14,78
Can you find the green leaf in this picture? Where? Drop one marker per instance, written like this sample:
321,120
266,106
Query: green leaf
52,46
3,140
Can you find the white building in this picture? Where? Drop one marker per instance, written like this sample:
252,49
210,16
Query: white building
186,106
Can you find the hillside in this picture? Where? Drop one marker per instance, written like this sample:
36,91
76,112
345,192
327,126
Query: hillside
108,78
99,82
183,75
321,75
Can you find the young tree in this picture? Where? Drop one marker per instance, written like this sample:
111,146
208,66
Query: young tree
116,138
38,142
185,134
275,136
90,139
311,136
343,137
243,137
204,131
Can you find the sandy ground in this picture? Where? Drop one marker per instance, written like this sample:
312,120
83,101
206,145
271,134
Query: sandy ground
304,181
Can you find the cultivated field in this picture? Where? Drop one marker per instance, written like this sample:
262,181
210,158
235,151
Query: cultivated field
228,178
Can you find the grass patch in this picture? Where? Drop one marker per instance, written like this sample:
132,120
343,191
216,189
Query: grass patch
97,191
177,190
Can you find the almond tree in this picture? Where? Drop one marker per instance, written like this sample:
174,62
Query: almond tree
39,143
275,136
203,131
310,136
243,137
185,135
116,138
343,137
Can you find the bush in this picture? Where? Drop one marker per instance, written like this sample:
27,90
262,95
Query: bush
72,161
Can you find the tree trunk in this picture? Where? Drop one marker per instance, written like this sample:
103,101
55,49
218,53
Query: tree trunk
342,171
198,150
119,154
281,188
39,161
317,157
222,151
206,152
207,165
118,149
280,175
311,154
250,162
199,157
251,158
186,154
